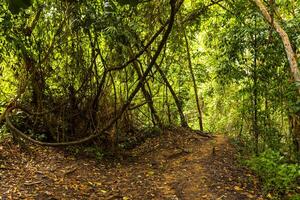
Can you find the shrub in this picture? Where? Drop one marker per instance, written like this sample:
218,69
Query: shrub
276,174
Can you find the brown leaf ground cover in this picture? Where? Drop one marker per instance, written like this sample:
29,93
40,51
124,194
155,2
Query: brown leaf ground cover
177,165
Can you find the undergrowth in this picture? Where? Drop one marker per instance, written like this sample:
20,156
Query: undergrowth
278,177
3,133
278,173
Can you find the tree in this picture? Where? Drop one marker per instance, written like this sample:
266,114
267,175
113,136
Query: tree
194,81
74,87
292,57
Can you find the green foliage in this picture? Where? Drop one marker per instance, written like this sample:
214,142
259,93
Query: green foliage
57,59
3,132
94,151
277,175
86,151
128,2
295,197
15,6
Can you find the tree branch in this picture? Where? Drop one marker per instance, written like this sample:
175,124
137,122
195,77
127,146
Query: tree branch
124,107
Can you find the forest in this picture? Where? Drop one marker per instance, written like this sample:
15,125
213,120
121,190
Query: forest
150,99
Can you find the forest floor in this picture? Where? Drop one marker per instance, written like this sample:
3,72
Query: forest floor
177,165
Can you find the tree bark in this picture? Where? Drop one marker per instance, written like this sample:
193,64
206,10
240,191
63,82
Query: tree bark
183,121
194,81
147,94
292,58
123,108
255,94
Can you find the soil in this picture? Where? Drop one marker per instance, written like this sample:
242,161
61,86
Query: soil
177,165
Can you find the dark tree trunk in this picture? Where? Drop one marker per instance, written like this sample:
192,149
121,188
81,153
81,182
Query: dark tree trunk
147,95
194,81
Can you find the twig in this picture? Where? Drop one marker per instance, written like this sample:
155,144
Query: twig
6,168
32,183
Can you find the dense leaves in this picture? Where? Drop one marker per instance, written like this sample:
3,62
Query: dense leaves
276,174
15,6
104,71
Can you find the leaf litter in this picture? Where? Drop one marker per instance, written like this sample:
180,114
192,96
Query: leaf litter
179,164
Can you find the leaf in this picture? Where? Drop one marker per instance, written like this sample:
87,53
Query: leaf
103,191
150,173
269,196
237,188
250,196
95,184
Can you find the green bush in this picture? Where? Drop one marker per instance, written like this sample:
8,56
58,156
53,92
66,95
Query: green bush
277,176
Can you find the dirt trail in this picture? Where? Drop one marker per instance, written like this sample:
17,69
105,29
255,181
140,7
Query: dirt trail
177,165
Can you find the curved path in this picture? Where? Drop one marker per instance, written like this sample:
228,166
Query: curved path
177,166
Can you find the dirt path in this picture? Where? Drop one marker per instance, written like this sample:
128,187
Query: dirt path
178,165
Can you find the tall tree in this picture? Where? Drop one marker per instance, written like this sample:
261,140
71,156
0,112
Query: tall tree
190,66
292,58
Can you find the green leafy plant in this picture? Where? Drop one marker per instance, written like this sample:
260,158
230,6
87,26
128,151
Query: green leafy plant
3,133
95,151
276,174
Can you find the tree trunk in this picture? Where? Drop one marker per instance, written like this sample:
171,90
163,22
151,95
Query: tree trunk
183,121
147,94
292,58
124,107
194,81
255,95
